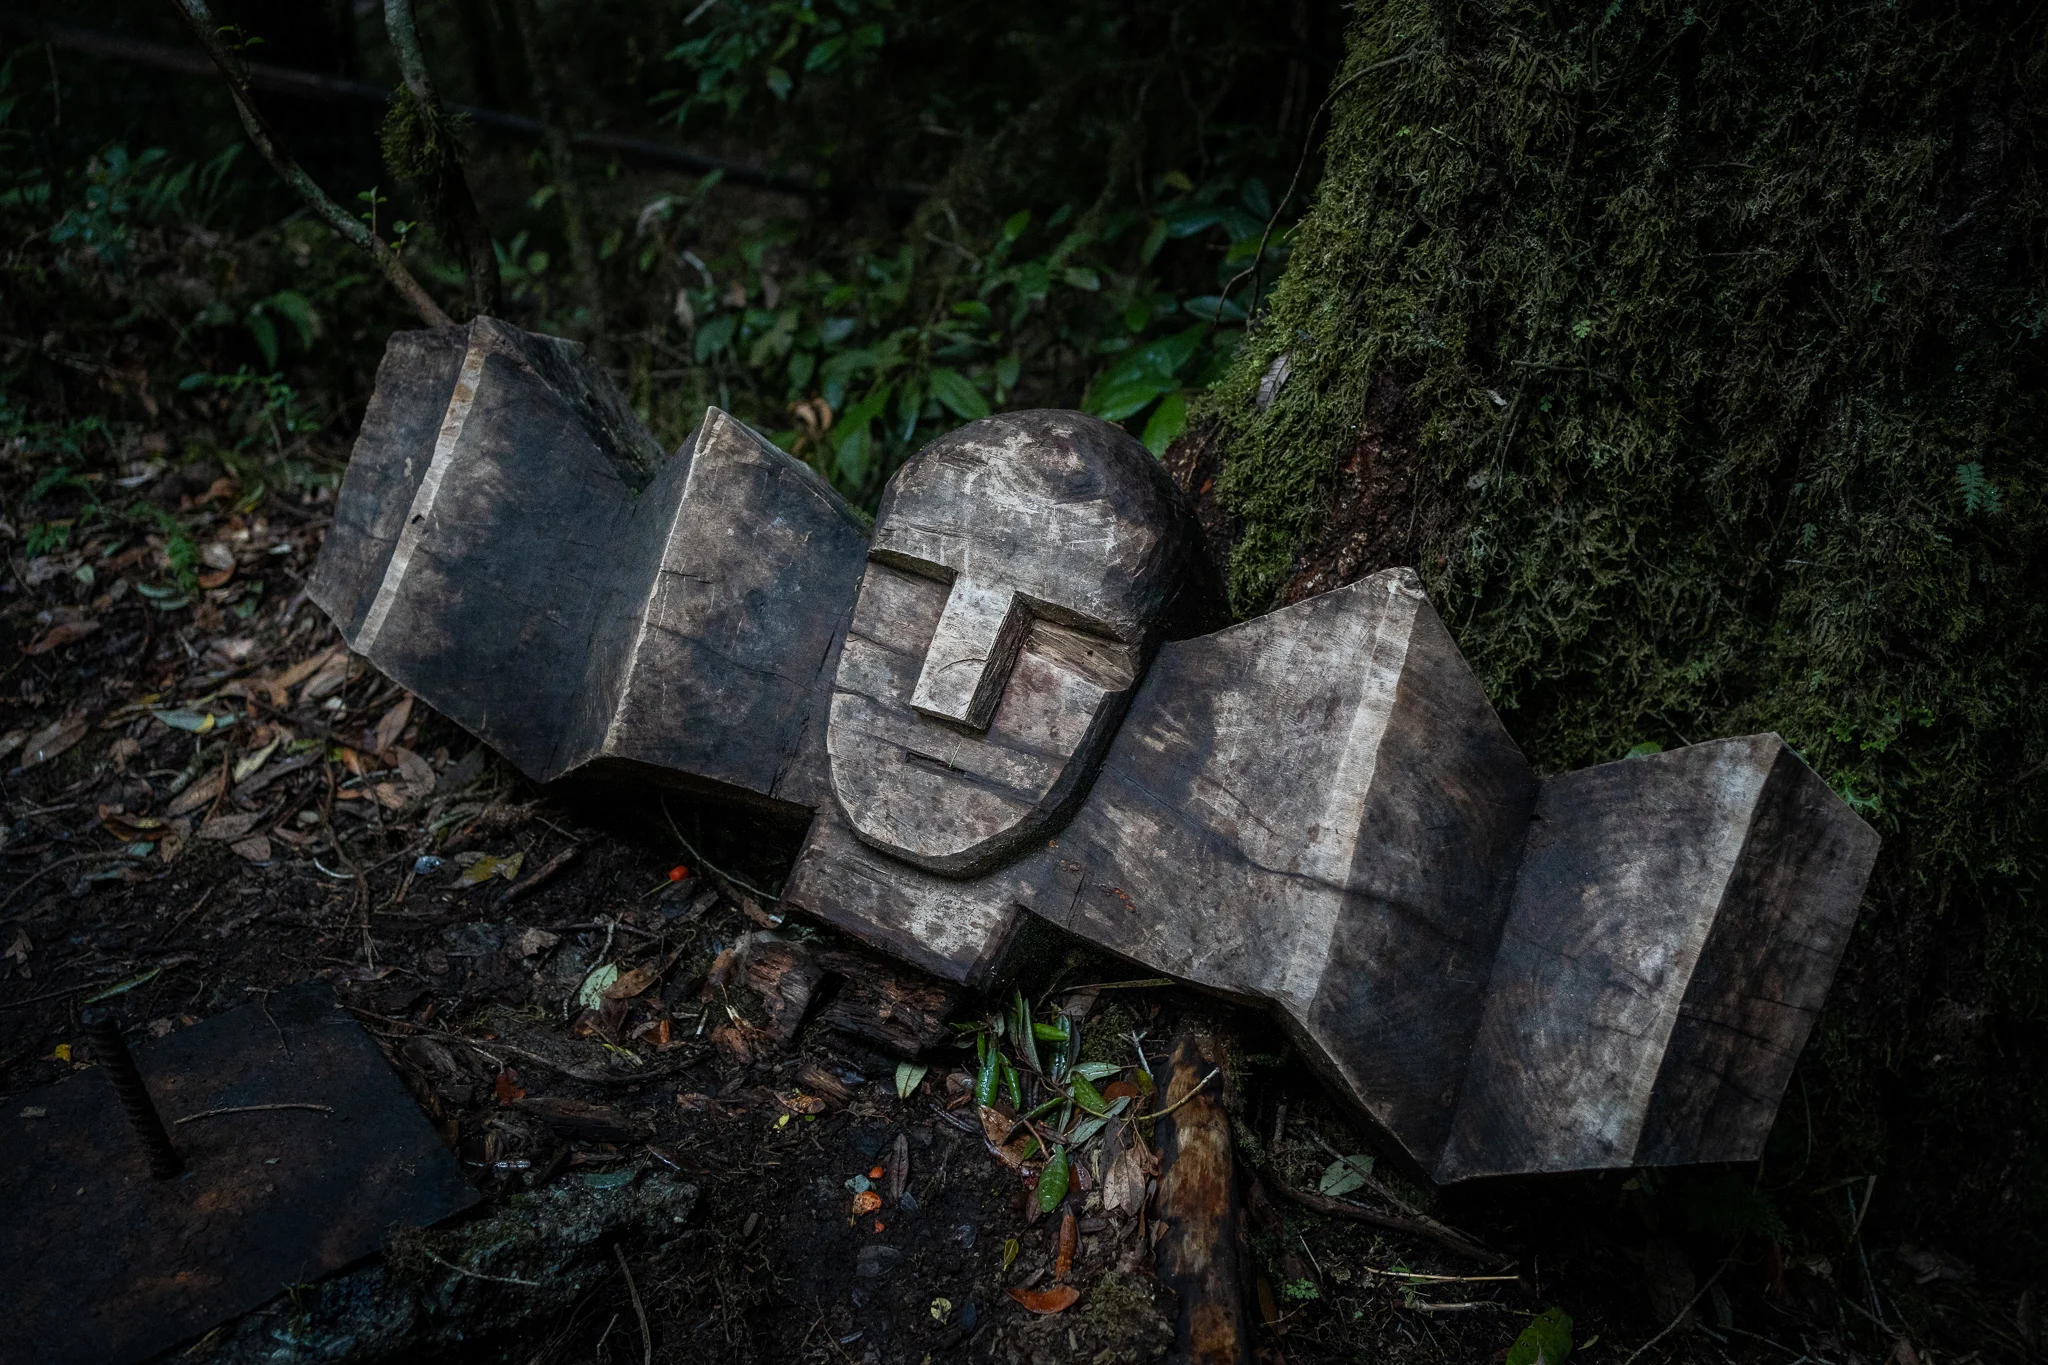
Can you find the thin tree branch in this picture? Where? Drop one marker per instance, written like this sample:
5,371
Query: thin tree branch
445,186
345,224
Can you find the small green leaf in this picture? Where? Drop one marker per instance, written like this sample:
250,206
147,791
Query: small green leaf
1547,1340
1169,419
1052,1181
591,995
989,1076
1014,228
1645,749
1097,1071
957,392
909,1075
1011,1246
1086,1095
1344,1175
1049,1033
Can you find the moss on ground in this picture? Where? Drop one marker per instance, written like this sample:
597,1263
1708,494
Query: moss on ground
1717,331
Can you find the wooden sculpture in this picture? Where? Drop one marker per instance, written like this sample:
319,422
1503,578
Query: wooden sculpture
1003,703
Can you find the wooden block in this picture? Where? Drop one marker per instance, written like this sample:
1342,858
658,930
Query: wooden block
1317,810
1001,705
572,597
1675,925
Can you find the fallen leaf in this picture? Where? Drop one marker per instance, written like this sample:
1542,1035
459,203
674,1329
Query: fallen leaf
507,1086
197,722
200,793
591,995
1123,1189
489,866
1055,1300
417,772
173,842
1052,1181
247,765
302,670
1014,1153
217,554
254,849
1063,1262
1344,1175
217,578
53,739
331,678
534,942
909,1075
898,1179
628,984
61,634
867,1201
385,738
388,796
225,829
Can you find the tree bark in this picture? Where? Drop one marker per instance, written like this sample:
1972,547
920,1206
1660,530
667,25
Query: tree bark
1694,355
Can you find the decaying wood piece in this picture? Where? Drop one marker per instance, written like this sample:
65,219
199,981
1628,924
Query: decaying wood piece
1202,1252
1000,707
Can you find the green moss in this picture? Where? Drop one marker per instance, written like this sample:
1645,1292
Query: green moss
1718,331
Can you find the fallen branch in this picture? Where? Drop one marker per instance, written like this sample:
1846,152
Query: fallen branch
346,225
1202,1252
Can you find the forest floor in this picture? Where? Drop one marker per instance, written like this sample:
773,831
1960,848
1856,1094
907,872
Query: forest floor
206,797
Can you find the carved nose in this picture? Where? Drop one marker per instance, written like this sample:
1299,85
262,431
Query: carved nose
972,651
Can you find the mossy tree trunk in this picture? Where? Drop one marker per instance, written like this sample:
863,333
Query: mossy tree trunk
1694,353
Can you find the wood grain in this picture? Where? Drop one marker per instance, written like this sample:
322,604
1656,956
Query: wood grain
1203,1254
511,545
1675,924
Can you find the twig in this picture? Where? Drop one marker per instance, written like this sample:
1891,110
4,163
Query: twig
22,885
478,1274
533,880
1193,1091
1683,1313
345,224
707,864
639,1311
253,1109
1428,1228
446,187
1307,144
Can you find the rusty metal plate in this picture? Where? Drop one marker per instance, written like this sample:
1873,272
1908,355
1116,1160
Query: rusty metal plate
99,1262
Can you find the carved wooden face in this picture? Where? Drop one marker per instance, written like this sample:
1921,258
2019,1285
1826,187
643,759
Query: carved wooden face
1020,575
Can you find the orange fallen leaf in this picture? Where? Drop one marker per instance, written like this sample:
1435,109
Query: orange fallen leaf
867,1201
877,1173
217,577
1063,1264
61,634
508,1086
1055,1300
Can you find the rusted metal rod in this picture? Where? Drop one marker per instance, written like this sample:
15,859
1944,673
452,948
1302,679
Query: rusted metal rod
103,1031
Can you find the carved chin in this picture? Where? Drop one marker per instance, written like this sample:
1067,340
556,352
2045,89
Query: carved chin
943,797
